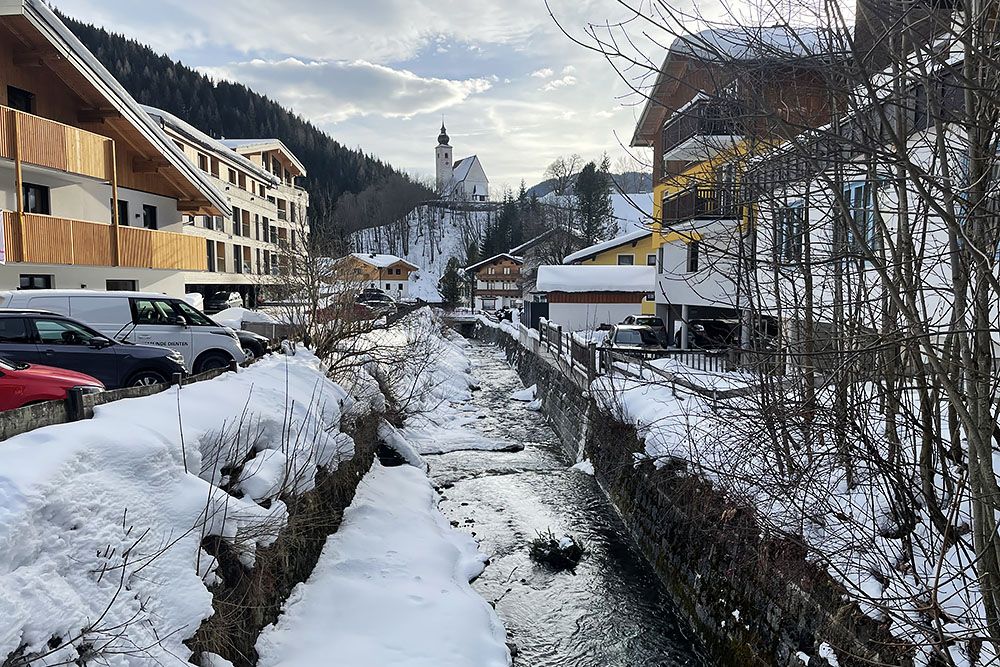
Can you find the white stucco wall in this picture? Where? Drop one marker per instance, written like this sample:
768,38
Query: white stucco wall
89,277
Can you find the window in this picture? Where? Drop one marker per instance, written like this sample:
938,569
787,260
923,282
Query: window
659,255
122,212
36,199
237,221
220,254
238,259
693,252
62,332
149,216
232,176
266,223
650,260
35,281
210,255
506,270
861,233
789,232
192,315
21,100
14,330
152,311
626,260
203,162
121,286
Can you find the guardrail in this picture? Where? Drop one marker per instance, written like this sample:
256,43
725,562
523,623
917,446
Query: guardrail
78,406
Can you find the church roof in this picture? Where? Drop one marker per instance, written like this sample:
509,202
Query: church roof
461,170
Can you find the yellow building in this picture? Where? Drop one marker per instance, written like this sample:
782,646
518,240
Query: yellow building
636,248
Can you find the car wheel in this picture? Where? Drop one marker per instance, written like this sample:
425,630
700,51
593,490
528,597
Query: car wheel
211,362
146,379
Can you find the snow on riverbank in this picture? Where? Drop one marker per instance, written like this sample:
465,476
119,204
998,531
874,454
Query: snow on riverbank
391,588
102,521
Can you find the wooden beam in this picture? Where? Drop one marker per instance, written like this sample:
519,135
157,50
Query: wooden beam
96,115
33,58
150,166
19,180
187,205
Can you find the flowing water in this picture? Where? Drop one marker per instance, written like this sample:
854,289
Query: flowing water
612,612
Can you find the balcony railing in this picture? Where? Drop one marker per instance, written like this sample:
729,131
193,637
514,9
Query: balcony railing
45,239
705,118
46,143
701,202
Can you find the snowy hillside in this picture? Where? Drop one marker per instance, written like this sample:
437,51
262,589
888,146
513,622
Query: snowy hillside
431,235
631,211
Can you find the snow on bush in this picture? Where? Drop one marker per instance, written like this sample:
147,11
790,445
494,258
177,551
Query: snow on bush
102,521
235,317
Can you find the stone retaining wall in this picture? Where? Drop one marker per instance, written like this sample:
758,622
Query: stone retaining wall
752,599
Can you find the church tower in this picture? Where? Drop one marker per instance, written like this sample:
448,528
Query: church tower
443,155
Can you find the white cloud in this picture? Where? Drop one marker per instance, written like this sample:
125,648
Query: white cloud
564,82
332,92
542,73
569,69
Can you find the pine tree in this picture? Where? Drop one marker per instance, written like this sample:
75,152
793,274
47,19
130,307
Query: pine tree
450,283
593,202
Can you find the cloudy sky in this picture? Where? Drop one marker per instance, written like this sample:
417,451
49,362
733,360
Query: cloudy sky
379,74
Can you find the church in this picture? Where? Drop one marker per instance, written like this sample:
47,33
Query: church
462,180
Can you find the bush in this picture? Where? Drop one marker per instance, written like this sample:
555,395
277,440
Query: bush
559,553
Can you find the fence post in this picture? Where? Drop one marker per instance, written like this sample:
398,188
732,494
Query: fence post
559,340
177,380
74,405
591,370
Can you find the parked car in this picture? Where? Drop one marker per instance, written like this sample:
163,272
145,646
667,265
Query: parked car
143,318
221,300
717,333
655,323
632,337
377,300
24,384
253,344
39,337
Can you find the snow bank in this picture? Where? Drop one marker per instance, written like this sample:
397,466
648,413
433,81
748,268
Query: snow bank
235,317
593,278
101,525
525,395
391,588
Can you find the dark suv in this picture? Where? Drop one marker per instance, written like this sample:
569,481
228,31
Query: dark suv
41,337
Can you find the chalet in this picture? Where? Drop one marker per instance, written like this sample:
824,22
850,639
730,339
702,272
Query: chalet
582,298
92,191
496,282
385,272
549,247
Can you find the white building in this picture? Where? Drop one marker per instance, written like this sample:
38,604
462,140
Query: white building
583,297
464,179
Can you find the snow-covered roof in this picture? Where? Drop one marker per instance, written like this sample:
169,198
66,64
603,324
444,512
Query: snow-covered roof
595,278
461,169
79,57
201,139
749,43
380,261
631,237
263,145
503,255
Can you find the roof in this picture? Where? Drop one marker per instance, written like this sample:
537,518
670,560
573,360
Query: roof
380,261
503,255
264,145
460,171
527,245
577,278
718,47
603,246
52,29
201,139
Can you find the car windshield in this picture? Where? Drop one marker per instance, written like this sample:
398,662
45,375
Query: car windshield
8,365
635,337
649,321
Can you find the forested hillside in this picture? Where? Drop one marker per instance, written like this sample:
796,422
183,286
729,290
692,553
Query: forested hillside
225,109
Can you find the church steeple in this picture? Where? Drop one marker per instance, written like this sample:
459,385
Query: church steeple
443,161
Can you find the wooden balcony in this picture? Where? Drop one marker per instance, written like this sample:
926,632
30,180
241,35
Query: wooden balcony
45,239
701,203
701,130
38,141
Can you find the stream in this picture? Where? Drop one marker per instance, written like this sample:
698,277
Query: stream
612,612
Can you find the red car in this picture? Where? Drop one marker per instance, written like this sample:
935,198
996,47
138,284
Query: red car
25,384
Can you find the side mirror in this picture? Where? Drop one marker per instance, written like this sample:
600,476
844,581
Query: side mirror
100,342
178,320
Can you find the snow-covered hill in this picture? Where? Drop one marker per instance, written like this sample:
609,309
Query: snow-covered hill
430,236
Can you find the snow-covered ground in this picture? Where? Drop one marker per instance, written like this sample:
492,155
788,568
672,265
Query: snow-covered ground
102,521
391,589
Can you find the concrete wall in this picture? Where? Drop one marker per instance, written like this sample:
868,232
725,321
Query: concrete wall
94,277
753,599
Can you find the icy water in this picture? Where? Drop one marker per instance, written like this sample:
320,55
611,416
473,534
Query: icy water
612,612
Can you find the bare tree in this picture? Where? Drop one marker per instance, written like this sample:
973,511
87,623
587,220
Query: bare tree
562,171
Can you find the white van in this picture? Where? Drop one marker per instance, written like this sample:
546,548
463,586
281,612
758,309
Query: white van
140,317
